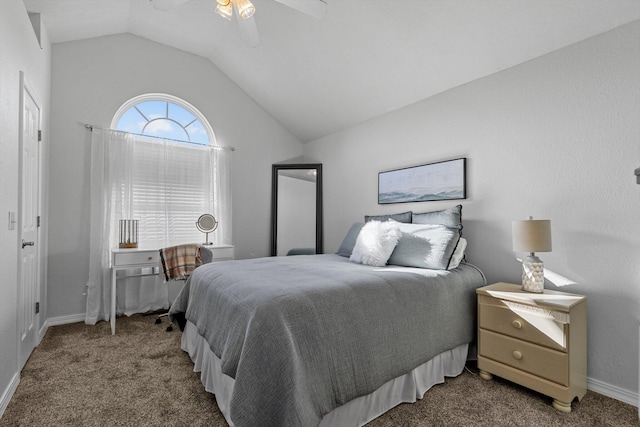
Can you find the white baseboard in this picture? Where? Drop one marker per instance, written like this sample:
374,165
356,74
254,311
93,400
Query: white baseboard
612,391
8,393
41,332
63,320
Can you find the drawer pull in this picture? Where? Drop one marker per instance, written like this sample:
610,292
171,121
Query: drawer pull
517,355
150,258
517,324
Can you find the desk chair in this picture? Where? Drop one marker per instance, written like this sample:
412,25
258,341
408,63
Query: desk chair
206,256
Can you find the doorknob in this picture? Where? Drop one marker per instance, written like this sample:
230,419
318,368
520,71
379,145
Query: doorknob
27,243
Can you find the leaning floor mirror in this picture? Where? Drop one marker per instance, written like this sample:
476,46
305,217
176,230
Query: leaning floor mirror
296,209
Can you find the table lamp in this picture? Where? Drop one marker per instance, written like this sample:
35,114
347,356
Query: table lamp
532,235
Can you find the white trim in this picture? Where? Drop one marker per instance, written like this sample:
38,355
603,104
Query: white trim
612,391
64,320
8,393
41,332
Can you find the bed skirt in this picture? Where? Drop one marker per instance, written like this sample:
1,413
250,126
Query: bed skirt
405,388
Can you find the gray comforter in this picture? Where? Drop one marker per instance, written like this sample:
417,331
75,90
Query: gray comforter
303,335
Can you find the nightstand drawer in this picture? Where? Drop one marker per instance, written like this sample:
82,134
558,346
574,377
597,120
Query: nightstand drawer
517,322
136,258
540,361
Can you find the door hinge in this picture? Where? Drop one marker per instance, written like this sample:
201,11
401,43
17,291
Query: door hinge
37,307
39,135
38,221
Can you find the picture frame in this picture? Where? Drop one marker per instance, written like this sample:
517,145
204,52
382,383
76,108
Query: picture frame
445,180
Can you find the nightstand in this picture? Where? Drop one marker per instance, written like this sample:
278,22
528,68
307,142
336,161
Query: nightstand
536,340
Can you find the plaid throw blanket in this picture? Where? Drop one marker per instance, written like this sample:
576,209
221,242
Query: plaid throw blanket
179,261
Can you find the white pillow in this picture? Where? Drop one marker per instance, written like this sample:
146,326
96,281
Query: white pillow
458,254
425,246
375,243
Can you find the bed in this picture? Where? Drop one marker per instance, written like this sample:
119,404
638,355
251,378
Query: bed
321,339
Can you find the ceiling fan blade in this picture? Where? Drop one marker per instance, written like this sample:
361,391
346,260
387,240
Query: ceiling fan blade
315,8
249,31
166,4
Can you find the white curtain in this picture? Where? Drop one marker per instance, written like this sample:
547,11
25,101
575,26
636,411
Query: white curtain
165,186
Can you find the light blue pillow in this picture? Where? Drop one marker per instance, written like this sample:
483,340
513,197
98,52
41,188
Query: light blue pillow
349,241
451,217
425,246
400,217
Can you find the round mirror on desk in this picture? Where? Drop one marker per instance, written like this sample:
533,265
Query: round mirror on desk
206,223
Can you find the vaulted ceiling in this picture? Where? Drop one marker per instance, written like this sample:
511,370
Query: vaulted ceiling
363,59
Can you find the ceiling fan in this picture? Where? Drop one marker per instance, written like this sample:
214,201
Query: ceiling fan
245,10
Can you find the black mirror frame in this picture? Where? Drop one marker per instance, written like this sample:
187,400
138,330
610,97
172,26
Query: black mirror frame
274,202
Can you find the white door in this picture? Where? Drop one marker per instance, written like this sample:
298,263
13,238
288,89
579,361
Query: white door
28,222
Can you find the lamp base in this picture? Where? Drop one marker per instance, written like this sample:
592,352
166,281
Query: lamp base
533,274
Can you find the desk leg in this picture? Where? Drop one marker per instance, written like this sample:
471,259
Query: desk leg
113,301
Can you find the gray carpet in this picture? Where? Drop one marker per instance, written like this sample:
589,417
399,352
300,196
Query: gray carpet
83,376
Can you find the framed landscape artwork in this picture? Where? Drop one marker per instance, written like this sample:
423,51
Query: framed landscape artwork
434,181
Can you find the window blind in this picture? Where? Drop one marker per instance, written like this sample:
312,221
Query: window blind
171,186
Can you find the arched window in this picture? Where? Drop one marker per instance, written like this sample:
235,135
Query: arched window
163,116
172,171
159,164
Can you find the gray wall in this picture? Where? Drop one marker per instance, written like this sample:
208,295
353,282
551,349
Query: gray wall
557,138
19,51
91,79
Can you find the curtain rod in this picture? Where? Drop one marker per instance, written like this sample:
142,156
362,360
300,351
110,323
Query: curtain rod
91,127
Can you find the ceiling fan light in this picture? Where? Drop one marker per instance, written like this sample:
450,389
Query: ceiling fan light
225,10
246,9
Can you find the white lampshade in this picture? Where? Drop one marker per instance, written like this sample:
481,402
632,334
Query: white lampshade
531,235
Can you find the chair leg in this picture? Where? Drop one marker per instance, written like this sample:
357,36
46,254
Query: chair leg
160,316
159,321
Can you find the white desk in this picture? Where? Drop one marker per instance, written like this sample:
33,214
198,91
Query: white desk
123,259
